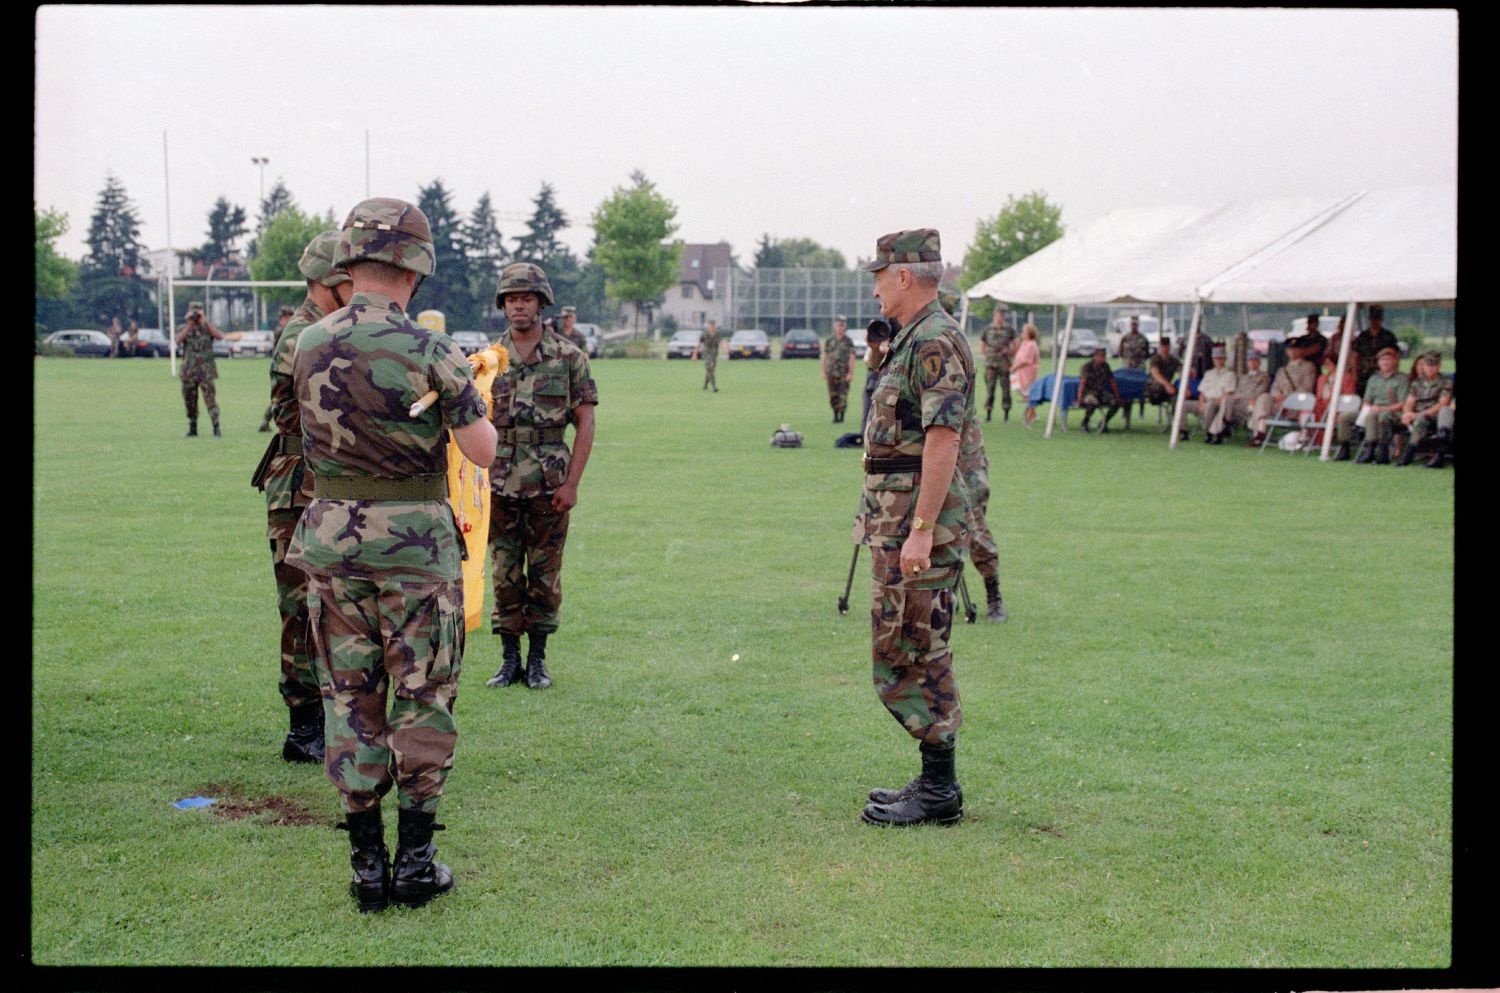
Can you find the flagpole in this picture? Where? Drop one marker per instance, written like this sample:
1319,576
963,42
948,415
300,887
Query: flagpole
171,263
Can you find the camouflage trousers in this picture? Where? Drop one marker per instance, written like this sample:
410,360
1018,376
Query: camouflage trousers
370,636
1427,424
838,394
526,558
1379,428
992,374
298,684
190,388
710,366
911,621
983,549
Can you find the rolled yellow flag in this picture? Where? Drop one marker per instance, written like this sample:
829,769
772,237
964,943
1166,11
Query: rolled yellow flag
469,489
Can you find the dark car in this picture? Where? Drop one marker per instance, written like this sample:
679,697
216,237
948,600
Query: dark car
749,344
682,344
80,341
151,343
470,342
801,343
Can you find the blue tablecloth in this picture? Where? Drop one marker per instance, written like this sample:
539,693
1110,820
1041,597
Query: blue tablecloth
1132,384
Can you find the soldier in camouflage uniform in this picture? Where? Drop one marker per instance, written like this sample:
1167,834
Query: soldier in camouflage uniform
195,337
998,344
708,347
1133,345
1384,398
1097,388
534,483
1427,398
974,465
380,547
289,489
918,535
838,367
1368,344
570,331
287,312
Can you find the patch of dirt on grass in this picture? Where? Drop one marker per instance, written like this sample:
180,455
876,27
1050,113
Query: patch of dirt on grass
273,811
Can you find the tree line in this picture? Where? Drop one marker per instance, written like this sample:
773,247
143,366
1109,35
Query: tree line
631,257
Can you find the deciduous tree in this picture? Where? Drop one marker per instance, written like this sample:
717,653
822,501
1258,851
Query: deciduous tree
631,228
1022,226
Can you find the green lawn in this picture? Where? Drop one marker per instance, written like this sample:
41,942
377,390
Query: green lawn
1215,733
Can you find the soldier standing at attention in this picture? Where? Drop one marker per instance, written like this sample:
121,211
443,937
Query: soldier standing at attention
998,345
534,483
289,489
838,367
568,331
914,515
380,548
1133,345
195,337
708,346
287,311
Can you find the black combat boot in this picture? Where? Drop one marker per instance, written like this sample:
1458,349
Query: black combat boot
989,412
1088,414
995,610
1408,455
536,662
304,742
370,860
935,798
1436,462
1366,454
1005,411
216,430
510,667
1342,455
1383,454
417,877
192,428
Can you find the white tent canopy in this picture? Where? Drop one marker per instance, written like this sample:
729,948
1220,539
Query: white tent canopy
1389,246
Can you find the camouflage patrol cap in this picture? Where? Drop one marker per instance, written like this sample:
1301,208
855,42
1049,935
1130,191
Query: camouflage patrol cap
384,229
1432,355
1389,348
195,305
524,277
569,310
317,260
919,245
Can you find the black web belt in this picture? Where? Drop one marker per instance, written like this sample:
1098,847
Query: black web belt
529,436
895,463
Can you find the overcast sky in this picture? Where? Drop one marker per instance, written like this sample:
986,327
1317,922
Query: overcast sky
831,123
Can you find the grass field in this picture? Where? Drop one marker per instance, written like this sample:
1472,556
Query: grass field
1215,733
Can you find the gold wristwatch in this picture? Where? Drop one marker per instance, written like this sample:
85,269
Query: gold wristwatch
917,524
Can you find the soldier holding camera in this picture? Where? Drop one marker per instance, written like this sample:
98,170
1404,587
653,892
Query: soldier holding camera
195,337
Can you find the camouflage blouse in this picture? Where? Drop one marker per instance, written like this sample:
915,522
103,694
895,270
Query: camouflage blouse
288,487
197,364
838,350
927,381
1429,391
999,347
539,394
356,373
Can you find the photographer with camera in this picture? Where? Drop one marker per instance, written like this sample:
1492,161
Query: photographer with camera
195,337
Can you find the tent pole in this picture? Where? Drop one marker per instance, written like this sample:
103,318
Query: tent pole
963,316
171,329
1187,372
1338,380
1057,382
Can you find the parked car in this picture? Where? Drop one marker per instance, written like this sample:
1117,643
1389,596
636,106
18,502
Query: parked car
243,343
1083,341
1262,338
470,342
151,343
80,342
594,335
749,344
682,344
860,337
801,343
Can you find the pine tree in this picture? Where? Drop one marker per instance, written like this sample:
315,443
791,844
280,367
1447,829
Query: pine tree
226,224
107,284
447,289
540,243
485,249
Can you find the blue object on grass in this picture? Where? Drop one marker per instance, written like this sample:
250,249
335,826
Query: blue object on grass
193,801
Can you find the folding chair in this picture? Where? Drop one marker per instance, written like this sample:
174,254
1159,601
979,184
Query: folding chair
1297,403
1349,403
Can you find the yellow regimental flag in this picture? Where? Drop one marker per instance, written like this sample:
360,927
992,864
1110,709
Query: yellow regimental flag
469,491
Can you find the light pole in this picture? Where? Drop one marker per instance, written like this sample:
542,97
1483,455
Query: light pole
261,161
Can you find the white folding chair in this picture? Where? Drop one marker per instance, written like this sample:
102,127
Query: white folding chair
1349,403
1296,403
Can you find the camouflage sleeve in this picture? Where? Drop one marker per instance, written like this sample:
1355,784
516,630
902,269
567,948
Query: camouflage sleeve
450,375
942,383
581,386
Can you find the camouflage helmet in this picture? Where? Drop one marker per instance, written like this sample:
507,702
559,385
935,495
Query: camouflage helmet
317,260
384,229
523,277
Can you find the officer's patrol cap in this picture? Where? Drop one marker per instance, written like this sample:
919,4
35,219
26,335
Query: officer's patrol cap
840,319
1431,355
569,310
1389,348
195,305
917,245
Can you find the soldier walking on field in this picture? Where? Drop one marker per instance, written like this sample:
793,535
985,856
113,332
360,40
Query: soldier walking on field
838,367
289,489
534,483
196,337
915,517
708,347
998,345
380,547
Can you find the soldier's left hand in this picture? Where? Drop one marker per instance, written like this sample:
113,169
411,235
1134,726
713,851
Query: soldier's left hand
566,497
